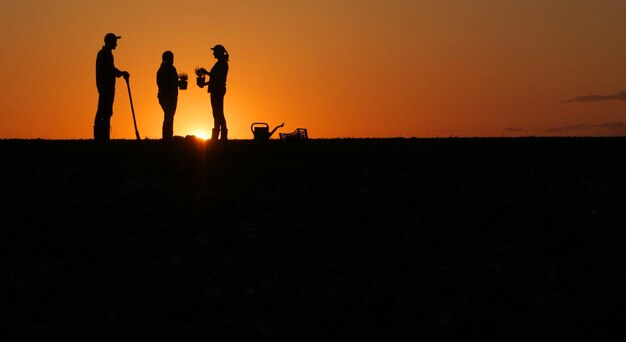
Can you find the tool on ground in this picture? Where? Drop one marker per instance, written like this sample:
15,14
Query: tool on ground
298,134
132,108
261,130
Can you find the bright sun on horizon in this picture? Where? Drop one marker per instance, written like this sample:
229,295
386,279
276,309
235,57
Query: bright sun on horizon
201,135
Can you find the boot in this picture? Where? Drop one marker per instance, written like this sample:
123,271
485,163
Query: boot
101,131
166,133
215,133
106,131
224,134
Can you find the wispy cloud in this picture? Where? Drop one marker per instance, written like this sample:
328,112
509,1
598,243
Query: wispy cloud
610,128
573,128
595,98
613,126
515,129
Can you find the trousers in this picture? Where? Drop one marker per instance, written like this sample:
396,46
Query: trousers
102,122
169,109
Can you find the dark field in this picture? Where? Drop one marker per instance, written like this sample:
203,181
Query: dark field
376,240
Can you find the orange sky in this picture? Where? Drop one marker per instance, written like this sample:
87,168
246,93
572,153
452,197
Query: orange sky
400,68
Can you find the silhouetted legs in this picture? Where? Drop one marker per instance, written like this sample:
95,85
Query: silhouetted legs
219,121
169,109
102,122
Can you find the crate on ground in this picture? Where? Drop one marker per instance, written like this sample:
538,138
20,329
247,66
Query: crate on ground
298,134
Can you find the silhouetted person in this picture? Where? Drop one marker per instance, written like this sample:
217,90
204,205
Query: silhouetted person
106,73
167,81
217,88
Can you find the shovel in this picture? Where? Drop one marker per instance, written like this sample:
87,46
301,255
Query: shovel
132,108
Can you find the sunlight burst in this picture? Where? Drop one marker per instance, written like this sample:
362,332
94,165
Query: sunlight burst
201,135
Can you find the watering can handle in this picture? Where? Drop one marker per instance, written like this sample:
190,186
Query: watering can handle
258,123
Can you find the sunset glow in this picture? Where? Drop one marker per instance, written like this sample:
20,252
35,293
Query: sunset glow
201,135
349,68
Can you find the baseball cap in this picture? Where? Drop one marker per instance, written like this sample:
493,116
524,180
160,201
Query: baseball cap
218,47
111,36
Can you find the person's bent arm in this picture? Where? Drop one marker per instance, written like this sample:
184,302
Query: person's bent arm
118,73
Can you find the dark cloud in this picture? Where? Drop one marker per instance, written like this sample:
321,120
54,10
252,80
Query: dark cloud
568,128
595,98
614,126
601,129
515,129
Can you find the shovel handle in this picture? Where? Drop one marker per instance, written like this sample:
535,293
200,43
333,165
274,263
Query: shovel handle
132,109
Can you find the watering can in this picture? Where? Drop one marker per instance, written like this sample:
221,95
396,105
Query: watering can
261,130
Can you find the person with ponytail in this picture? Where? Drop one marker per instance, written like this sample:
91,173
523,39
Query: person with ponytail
167,82
217,89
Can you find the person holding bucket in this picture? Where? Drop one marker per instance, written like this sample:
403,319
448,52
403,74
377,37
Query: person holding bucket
217,89
106,73
168,83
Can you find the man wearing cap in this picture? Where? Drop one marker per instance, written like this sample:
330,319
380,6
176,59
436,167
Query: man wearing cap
106,73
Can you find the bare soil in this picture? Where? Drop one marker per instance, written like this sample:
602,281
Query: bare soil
347,239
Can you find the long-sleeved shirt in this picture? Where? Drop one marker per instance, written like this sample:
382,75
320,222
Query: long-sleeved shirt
106,72
167,81
217,76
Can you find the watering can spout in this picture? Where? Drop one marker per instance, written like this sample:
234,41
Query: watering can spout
275,128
